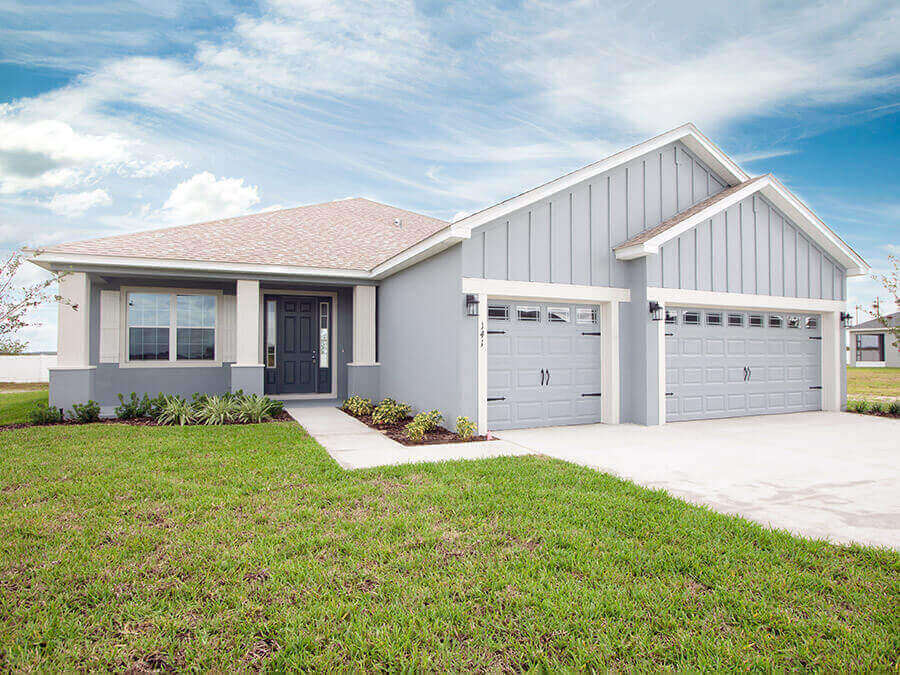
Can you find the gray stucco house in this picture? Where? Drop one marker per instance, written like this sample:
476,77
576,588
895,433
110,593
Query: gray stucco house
662,283
872,344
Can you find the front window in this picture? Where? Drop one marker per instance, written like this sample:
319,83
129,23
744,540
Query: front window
196,327
148,326
157,321
870,347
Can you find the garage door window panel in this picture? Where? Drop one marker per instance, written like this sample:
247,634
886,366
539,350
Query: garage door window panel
498,312
558,314
528,313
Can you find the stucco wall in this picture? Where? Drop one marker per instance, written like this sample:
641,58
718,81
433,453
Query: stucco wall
421,315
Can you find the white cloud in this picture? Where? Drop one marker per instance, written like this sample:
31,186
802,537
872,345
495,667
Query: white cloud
149,169
51,154
76,203
204,197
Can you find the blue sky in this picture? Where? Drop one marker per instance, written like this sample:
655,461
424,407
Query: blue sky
120,116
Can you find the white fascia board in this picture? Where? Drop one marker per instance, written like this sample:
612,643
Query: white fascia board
540,291
652,245
686,298
439,241
773,190
881,329
687,134
50,259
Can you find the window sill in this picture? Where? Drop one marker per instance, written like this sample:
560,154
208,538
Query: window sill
170,364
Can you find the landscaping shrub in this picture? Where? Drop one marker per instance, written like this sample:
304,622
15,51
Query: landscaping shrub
216,409
253,409
134,407
894,408
465,427
863,406
175,410
84,413
415,430
852,406
431,419
389,411
42,413
357,405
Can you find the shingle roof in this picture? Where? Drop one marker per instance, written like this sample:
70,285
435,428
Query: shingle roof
646,235
892,320
353,234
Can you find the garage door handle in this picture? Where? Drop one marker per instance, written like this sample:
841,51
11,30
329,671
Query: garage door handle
548,376
746,374
542,377
496,398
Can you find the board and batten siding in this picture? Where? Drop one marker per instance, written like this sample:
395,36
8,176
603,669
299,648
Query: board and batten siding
569,237
750,247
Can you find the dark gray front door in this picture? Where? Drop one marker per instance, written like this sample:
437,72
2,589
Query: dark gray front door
732,363
297,362
543,364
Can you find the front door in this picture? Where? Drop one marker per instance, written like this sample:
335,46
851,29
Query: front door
297,334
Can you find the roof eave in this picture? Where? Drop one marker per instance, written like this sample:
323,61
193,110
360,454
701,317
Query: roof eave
59,260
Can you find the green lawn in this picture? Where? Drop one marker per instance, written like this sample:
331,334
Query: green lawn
873,382
246,546
14,407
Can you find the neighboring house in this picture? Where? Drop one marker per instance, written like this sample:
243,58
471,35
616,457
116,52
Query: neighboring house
661,283
872,344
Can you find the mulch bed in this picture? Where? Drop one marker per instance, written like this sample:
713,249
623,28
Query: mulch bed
136,422
397,432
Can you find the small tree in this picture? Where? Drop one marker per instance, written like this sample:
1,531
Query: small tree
16,302
890,282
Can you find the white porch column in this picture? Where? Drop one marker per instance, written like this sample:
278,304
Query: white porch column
609,362
482,364
74,326
832,362
363,326
247,372
247,343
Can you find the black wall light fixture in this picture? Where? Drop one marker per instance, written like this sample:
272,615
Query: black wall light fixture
845,319
656,311
471,305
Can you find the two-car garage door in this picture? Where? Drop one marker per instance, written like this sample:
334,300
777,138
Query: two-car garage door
731,363
543,364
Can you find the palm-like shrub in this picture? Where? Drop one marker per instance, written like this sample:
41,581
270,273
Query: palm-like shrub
211,410
253,409
175,410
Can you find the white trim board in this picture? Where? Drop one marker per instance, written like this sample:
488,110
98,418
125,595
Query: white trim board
773,190
544,292
677,296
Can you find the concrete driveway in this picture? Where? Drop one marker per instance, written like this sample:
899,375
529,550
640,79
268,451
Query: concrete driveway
832,476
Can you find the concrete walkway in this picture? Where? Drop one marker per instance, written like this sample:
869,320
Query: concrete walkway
353,445
824,475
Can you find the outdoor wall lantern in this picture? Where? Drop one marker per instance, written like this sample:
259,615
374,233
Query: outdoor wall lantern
471,305
656,311
845,319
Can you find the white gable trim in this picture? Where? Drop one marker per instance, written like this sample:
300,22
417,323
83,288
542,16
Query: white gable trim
688,134
773,190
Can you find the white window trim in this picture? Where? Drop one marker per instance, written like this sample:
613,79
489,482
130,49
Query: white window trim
173,361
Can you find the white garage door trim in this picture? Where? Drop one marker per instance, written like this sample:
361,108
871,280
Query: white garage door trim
829,310
607,299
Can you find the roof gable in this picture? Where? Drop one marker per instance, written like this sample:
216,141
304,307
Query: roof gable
649,241
893,320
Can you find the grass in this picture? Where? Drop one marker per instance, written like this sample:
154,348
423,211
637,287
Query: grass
873,382
14,407
247,547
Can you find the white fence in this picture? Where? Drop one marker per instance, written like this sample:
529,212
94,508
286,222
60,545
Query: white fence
26,367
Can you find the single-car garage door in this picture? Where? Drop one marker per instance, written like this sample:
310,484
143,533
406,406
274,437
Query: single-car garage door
731,363
543,364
